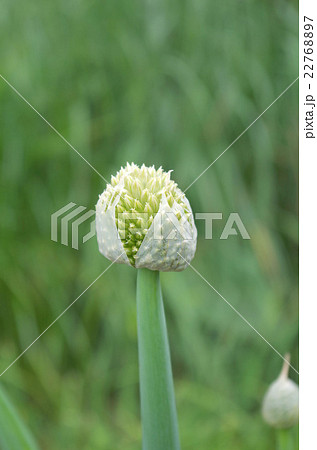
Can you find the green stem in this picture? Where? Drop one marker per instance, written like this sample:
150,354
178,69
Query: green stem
158,410
285,439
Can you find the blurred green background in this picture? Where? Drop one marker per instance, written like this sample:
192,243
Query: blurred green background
169,83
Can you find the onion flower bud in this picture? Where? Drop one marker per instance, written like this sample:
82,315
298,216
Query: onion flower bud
280,404
144,220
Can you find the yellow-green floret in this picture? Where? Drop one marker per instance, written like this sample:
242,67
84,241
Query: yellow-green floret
140,190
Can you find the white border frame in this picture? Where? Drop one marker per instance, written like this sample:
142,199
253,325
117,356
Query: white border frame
308,242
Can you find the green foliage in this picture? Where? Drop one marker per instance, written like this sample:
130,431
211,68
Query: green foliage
13,433
169,83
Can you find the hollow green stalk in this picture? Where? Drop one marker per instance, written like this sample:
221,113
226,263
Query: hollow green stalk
158,409
285,439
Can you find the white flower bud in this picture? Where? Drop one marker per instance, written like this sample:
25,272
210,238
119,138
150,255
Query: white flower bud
280,405
144,220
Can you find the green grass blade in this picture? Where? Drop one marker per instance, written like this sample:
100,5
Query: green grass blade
158,410
13,433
